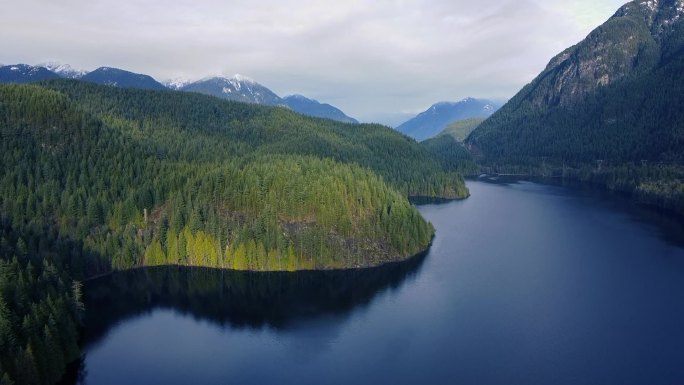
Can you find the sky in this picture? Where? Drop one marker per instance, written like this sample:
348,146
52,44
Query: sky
378,60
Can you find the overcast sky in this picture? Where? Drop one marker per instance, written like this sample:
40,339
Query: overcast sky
370,58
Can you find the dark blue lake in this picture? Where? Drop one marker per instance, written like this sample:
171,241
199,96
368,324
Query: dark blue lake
524,284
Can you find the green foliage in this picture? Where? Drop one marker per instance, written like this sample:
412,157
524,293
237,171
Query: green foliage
145,191
628,121
40,309
194,127
452,156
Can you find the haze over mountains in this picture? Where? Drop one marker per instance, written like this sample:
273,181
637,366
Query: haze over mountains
435,119
237,88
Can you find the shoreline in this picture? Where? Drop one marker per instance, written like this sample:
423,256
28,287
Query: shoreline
421,253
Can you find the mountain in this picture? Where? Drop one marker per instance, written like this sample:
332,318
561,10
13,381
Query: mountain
24,73
607,110
614,97
435,119
64,70
242,89
310,107
460,130
238,88
120,78
176,84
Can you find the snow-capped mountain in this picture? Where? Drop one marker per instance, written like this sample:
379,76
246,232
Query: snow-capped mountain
176,83
24,73
310,107
243,89
119,78
238,88
435,119
64,70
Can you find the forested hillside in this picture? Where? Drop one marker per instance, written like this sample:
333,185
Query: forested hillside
452,154
98,178
158,177
607,110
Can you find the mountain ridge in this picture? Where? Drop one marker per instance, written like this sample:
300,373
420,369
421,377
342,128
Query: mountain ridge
437,117
312,107
25,73
237,88
116,77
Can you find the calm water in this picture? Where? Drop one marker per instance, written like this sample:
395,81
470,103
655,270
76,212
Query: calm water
524,284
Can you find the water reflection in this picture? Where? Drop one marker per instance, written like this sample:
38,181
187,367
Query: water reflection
525,283
236,299
668,226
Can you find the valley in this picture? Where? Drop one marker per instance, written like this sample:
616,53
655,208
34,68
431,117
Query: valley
249,226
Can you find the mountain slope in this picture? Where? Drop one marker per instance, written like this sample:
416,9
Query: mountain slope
238,88
460,129
241,186
607,110
270,130
310,107
120,78
24,73
615,97
435,119
64,70
242,89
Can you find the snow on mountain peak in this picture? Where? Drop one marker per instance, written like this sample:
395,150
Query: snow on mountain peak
242,79
64,70
651,4
176,83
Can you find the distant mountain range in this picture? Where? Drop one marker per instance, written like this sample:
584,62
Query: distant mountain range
64,70
311,107
435,119
24,73
119,78
616,96
237,88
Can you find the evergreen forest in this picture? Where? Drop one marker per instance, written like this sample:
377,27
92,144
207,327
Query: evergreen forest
96,179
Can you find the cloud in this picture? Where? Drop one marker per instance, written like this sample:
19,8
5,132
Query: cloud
370,58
